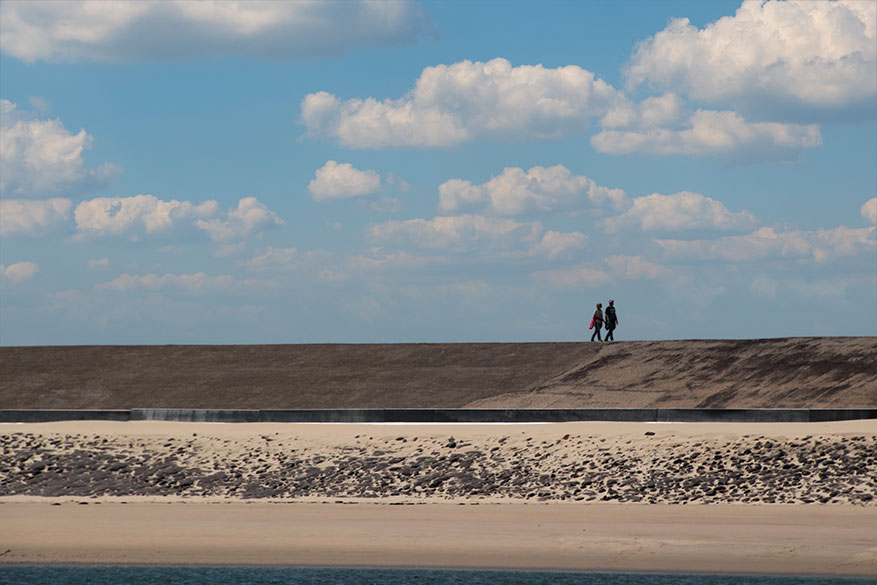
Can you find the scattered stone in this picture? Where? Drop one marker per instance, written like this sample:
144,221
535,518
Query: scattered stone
828,470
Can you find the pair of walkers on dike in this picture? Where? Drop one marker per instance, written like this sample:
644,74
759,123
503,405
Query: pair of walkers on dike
610,320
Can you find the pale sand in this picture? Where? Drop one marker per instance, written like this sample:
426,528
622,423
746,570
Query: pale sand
594,537
511,532
337,433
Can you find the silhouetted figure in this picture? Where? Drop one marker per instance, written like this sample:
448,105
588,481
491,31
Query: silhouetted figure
597,322
611,321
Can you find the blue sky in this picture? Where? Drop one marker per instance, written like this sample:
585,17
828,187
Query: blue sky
182,172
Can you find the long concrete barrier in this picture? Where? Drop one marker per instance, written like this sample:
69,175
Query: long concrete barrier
414,415
740,415
29,416
195,415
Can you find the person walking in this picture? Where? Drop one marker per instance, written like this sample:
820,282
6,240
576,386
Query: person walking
597,322
611,321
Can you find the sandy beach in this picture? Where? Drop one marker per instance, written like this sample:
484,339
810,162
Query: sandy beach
723,497
617,537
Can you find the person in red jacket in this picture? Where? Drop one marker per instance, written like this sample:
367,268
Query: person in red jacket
597,322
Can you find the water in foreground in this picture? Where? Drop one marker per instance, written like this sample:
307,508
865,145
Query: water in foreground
126,575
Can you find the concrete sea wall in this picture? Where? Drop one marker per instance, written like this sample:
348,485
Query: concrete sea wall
403,415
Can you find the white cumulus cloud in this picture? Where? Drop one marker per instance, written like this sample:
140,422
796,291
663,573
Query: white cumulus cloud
250,215
120,30
771,55
341,181
680,211
557,244
137,215
516,191
32,218
765,243
658,111
146,215
41,157
451,104
828,244
481,235
709,132
869,210
20,271
459,233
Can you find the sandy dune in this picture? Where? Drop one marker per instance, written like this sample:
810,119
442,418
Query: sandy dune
774,373
771,373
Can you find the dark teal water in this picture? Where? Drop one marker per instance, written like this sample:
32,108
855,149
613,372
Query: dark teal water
103,575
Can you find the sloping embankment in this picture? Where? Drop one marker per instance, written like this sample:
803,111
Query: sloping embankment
771,373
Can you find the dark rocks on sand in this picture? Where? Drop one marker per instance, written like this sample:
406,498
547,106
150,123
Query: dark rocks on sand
808,470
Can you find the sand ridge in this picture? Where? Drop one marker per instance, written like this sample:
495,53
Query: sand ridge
828,372
575,462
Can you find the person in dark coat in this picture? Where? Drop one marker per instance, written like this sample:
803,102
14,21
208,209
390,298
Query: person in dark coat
597,322
611,321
